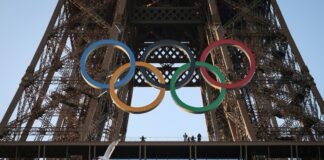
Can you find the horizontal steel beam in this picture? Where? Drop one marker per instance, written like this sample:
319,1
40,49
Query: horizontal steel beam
167,15
89,150
167,73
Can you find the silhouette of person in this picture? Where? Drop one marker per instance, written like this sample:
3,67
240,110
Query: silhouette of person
185,136
192,138
199,137
142,139
188,139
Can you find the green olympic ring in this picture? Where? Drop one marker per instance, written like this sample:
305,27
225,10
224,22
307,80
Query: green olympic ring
194,109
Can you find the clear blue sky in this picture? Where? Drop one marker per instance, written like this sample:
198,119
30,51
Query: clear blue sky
23,24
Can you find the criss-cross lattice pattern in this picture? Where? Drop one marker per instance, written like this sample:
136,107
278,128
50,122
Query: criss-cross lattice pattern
169,58
167,74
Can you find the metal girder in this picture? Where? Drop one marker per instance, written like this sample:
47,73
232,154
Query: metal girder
43,92
95,17
108,65
267,40
167,15
244,11
139,80
56,88
230,103
166,150
72,116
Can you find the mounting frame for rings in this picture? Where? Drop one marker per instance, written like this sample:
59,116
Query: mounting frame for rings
175,44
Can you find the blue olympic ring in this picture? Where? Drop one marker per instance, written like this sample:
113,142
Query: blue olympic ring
99,44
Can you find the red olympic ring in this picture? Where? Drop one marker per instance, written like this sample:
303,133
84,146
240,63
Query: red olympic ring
238,84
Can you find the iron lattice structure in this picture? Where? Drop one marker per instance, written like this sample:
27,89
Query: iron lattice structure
53,103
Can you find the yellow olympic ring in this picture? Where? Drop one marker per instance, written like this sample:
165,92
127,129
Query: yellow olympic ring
120,104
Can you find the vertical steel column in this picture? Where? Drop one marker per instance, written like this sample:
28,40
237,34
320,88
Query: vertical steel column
114,33
291,152
16,153
241,152
44,151
297,151
89,152
190,152
144,151
319,152
228,64
246,152
195,152
94,151
67,152
38,151
140,152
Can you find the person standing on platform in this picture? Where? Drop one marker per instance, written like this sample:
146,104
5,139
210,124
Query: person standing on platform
185,136
192,138
142,139
199,137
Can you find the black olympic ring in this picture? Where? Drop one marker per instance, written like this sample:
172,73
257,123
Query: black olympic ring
177,45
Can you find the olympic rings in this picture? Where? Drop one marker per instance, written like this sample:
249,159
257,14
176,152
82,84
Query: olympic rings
126,107
193,109
239,45
160,84
175,44
99,44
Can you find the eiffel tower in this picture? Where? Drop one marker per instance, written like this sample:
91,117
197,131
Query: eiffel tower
53,104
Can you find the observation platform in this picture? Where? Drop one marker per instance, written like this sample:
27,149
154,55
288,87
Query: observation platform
164,150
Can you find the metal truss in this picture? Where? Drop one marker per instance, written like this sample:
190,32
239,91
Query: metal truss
282,102
167,15
53,103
